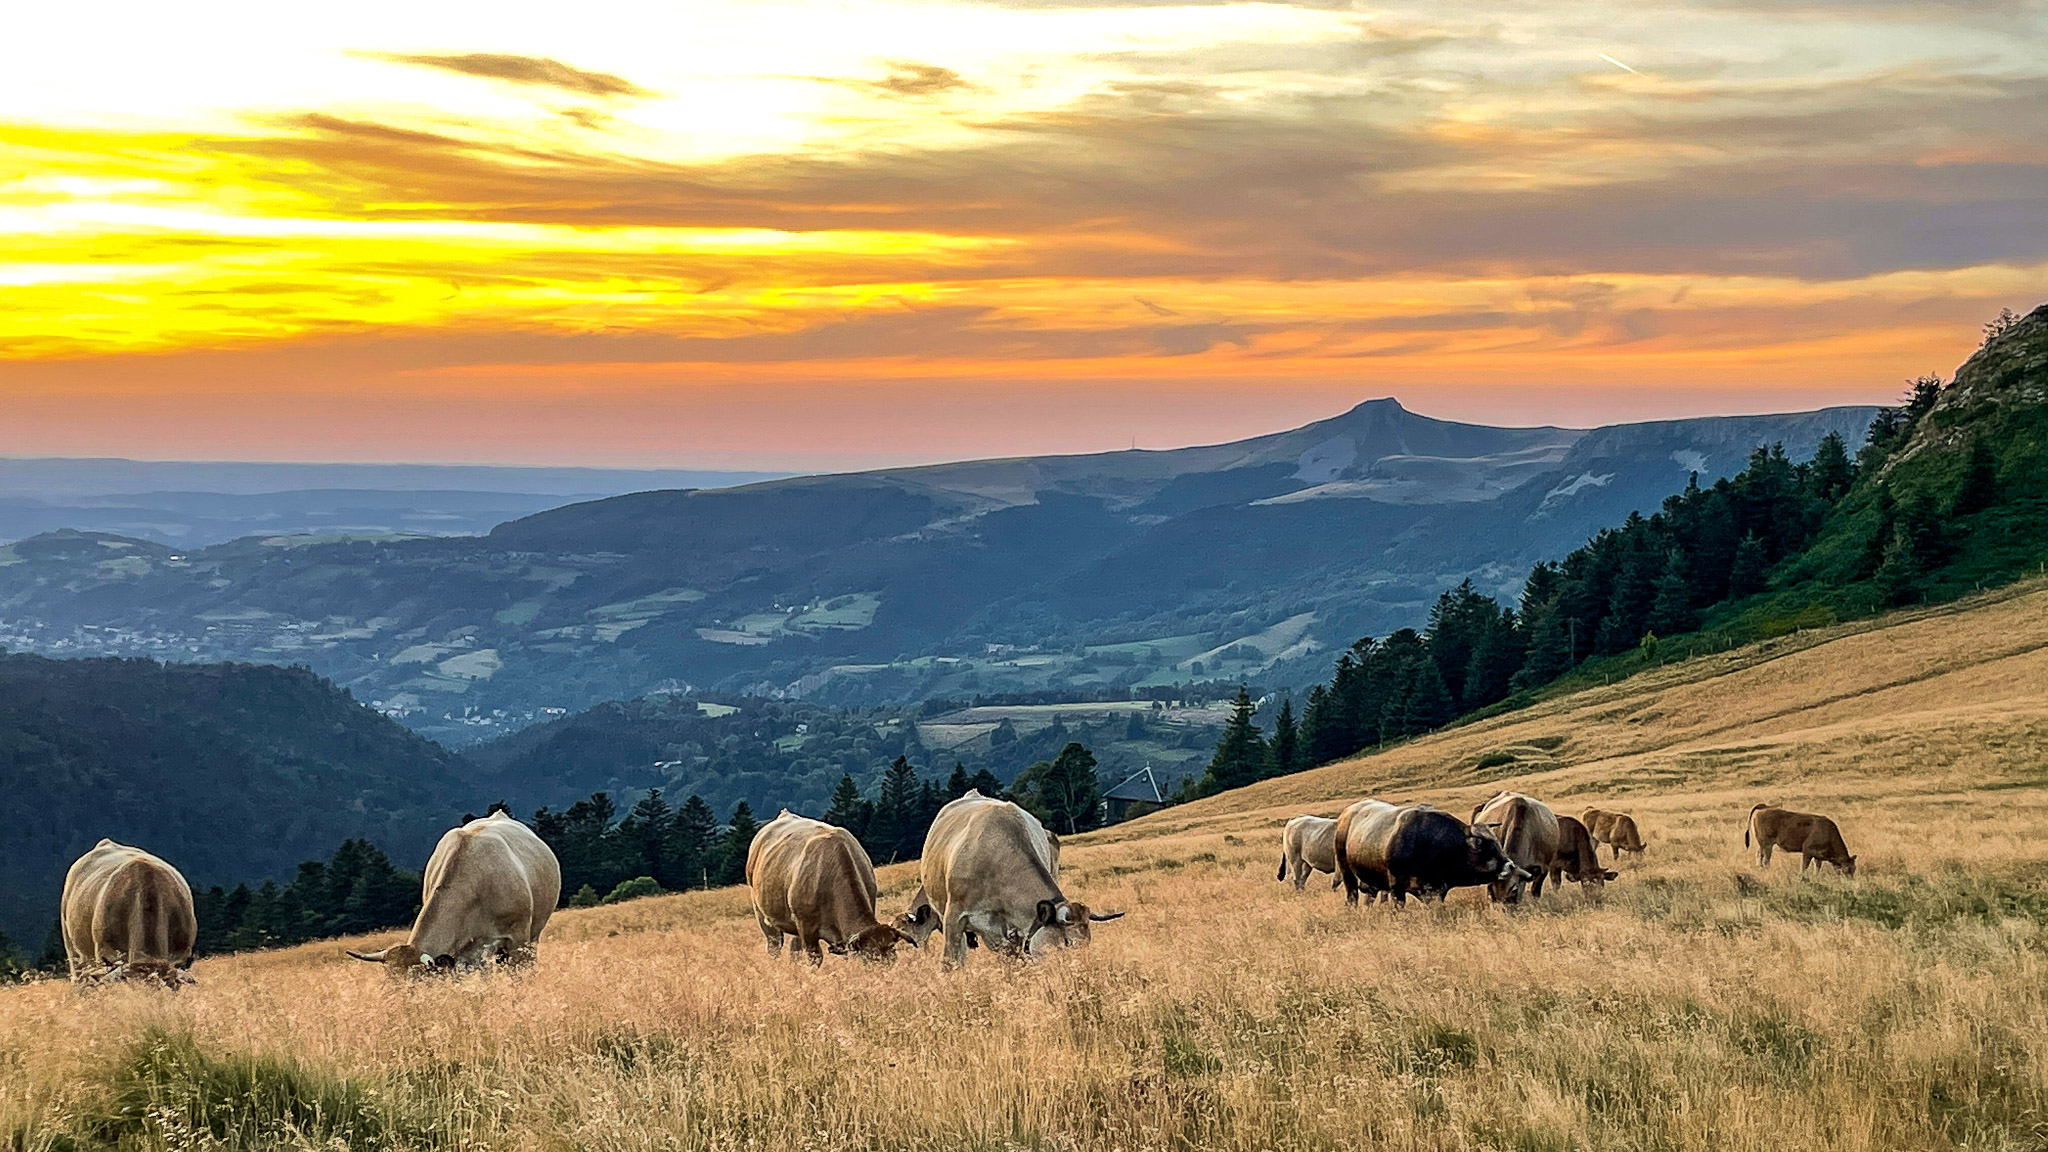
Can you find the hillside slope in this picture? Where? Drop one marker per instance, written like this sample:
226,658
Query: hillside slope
1706,1004
232,772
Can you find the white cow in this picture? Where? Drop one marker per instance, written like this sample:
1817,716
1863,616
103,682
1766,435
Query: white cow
489,890
127,916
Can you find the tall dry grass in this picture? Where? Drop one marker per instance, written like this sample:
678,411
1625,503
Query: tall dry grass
1704,1005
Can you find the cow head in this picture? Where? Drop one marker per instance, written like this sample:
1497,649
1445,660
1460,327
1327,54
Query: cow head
918,924
1063,924
157,972
1848,866
1489,864
404,959
878,943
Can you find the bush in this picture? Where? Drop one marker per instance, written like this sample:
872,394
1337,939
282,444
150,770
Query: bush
633,889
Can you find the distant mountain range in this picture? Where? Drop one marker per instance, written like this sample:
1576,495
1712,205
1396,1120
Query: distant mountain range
191,504
1250,559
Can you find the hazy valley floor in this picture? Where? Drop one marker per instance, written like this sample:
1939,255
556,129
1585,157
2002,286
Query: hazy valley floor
1706,1004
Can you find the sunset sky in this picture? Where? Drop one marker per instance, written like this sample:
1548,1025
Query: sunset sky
822,235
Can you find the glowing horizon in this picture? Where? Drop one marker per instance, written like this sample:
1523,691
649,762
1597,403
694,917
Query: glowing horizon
795,236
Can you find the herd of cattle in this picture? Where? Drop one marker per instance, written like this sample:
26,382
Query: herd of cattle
989,878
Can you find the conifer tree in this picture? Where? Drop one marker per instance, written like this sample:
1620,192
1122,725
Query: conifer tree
1746,576
1286,744
1549,650
896,814
733,845
1428,705
1240,756
1830,473
849,809
1979,487
1671,612
694,843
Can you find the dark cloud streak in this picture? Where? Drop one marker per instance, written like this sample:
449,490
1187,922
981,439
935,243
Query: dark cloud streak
534,70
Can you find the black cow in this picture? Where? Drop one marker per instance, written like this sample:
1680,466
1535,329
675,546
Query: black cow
1415,848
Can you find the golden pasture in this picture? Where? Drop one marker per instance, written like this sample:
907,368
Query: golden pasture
1706,1004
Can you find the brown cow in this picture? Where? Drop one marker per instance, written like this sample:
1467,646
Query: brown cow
1578,859
1815,838
991,872
1534,838
813,881
127,916
1617,830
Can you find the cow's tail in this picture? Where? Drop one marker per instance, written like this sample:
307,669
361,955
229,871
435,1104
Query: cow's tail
1750,825
1283,866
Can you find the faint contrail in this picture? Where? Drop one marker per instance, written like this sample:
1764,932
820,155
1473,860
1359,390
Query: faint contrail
1619,64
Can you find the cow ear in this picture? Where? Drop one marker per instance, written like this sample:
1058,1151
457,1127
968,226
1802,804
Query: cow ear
1611,874
1046,911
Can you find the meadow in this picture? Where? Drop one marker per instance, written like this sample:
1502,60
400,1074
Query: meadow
1704,1004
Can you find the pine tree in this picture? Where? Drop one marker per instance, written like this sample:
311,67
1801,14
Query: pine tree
1550,653
896,812
1898,573
957,784
643,840
1979,487
985,782
1240,756
733,845
1428,705
849,809
1671,613
1830,473
1746,576
693,845
1286,744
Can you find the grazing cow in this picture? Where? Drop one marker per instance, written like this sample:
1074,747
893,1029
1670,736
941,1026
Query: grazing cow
1578,859
1815,838
1535,838
1308,844
127,916
813,881
991,870
489,890
1414,848
1617,830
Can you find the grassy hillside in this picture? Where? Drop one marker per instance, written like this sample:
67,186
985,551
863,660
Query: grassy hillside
1706,1004
231,771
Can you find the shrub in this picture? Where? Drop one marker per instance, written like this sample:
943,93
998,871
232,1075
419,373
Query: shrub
633,889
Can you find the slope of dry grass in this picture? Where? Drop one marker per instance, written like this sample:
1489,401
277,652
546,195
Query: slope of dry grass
1705,1005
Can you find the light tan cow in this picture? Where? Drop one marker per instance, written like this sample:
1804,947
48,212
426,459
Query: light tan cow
1617,830
1815,838
489,889
991,871
1531,835
127,916
1309,844
813,881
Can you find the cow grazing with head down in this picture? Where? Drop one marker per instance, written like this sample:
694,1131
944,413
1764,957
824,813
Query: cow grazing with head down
1535,838
1815,838
1578,859
489,889
813,881
1617,830
1414,848
1308,844
127,915
991,871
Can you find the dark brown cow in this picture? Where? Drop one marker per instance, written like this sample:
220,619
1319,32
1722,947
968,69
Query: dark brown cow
1815,838
1578,859
1617,830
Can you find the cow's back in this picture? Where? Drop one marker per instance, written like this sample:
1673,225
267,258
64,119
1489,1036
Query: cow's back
986,853
489,877
1525,826
123,905
1365,832
806,873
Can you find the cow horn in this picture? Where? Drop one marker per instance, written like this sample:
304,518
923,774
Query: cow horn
1099,917
372,957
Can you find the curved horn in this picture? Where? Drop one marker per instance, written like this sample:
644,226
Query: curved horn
1099,917
373,957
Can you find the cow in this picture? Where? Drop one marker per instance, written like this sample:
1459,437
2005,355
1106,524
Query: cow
126,915
991,870
813,881
1309,844
1535,838
1578,859
1617,830
1815,838
489,889
1419,848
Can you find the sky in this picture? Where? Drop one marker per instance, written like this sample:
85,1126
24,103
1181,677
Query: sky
794,235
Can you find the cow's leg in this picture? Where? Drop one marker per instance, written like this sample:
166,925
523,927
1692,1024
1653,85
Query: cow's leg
812,951
773,934
1347,876
1536,885
1336,881
956,940
1763,854
1301,871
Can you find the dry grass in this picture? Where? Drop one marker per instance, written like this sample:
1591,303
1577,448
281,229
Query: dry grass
1704,1006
